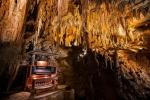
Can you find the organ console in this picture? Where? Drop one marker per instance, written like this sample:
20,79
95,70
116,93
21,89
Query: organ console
41,76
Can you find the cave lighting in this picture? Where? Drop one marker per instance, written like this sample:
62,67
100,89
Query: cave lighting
42,63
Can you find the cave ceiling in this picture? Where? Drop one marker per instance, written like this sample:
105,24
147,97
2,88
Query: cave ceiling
100,25
103,26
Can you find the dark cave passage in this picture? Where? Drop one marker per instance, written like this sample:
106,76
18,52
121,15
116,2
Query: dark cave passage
94,77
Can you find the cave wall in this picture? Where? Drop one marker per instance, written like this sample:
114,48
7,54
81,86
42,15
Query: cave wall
13,14
12,19
110,32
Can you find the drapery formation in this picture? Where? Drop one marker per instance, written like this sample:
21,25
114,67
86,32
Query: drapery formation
110,25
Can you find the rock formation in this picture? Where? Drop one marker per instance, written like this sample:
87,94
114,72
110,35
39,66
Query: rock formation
103,45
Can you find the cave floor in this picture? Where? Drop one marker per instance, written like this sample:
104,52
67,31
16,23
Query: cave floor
55,95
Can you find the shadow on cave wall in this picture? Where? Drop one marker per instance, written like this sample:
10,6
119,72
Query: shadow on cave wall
10,58
94,76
